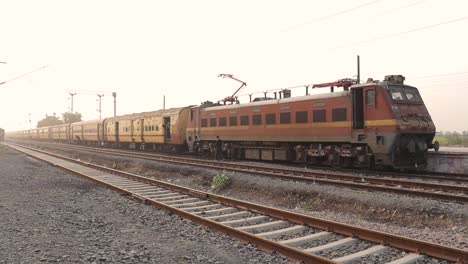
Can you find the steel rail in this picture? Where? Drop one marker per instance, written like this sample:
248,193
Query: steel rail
415,188
459,178
404,243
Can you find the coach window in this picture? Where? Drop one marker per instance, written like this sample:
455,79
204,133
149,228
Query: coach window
244,120
257,119
285,118
233,121
370,97
213,122
204,122
339,114
270,119
319,115
222,121
301,117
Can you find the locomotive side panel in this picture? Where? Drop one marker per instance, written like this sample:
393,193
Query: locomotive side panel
281,121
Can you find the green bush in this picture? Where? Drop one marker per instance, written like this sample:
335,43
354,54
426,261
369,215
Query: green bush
220,182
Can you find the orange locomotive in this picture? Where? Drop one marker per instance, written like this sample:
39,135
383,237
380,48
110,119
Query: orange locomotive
376,123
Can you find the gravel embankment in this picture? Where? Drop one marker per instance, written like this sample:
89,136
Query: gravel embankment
48,216
431,220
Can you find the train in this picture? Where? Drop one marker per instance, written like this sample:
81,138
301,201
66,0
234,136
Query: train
372,124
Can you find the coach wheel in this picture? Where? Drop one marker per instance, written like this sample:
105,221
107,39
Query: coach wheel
436,146
371,165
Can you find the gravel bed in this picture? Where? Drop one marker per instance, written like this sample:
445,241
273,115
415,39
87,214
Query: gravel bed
250,214
390,254
202,213
431,220
306,232
427,260
347,250
48,216
322,241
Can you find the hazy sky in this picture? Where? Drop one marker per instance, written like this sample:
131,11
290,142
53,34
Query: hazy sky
146,49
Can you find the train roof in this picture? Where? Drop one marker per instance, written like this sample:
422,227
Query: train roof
96,121
169,111
279,101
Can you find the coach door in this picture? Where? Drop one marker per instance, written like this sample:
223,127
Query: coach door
142,130
358,108
117,131
167,129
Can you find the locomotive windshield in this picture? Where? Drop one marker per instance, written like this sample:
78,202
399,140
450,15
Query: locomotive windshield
402,93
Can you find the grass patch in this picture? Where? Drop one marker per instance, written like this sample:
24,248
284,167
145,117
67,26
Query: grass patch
3,148
312,205
361,218
220,182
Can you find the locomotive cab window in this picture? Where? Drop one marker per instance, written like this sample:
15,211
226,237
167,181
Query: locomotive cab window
412,95
397,95
370,97
405,94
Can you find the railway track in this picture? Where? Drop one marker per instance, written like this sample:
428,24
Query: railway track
442,177
434,176
441,191
299,237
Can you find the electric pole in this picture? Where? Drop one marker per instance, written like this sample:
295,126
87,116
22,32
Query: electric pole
114,94
72,94
29,120
358,70
100,96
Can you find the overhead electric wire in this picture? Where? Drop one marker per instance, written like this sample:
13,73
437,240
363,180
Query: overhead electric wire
399,8
407,32
331,15
23,75
442,74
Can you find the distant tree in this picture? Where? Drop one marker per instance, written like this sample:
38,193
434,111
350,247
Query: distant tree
455,138
71,117
49,121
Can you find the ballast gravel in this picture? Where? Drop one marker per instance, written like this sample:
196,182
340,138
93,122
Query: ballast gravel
49,216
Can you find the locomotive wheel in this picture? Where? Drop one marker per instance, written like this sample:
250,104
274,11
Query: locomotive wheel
371,165
346,162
